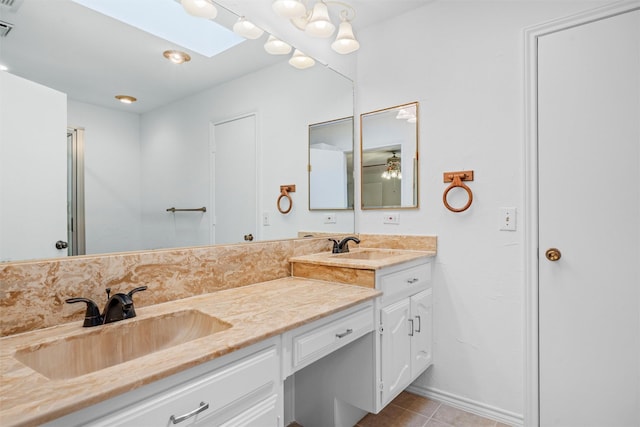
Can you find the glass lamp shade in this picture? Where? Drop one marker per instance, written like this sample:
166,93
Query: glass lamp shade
289,8
276,47
300,60
319,24
247,29
200,8
345,41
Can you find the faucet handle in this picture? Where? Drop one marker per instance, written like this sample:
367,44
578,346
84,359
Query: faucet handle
138,289
335,249
92,317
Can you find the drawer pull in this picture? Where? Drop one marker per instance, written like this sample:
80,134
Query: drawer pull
203,407
419,324
411,327
412,281
344,334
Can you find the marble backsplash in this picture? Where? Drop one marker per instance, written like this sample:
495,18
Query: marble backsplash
32,293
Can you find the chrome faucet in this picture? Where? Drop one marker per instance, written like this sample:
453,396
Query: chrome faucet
343,246
118,307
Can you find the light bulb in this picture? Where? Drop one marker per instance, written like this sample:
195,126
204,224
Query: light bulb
300,60
200,8
276,47
319,24
247,29
345,41
289,8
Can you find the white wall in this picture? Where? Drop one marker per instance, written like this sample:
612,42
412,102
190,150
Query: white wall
112,177
33,179
175,149
463,61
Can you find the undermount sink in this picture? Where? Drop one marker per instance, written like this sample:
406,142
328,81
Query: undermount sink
104,346
368,254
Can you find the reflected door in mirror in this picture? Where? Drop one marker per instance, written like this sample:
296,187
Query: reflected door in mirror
331,165
389,153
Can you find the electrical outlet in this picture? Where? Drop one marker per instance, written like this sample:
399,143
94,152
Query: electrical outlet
265,218
330,218
391,219
507,219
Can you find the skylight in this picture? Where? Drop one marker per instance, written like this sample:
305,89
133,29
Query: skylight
167,19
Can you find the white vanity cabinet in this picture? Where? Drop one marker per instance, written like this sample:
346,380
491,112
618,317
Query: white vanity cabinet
243,390
405,328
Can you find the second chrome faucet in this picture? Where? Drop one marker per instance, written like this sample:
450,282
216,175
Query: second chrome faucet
118,307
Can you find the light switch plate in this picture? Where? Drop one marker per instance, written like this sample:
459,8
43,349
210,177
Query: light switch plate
265,218
508,219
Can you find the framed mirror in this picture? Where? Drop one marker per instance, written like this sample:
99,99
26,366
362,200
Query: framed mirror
389,153
331,165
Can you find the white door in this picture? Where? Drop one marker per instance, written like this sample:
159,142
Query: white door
33,170
589,209
395,347
422,315
234,197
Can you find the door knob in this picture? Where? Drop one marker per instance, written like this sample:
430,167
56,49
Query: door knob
553,254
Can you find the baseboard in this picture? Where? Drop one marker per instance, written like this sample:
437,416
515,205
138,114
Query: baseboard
469,405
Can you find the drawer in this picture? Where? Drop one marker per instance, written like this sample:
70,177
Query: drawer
318,341
405,282
228,390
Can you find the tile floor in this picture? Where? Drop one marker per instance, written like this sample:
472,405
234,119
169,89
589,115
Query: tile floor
411,410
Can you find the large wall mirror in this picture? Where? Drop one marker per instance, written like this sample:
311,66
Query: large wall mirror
389,153
331,165
163,151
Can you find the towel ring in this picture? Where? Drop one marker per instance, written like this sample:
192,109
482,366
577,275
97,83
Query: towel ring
284,193
456,179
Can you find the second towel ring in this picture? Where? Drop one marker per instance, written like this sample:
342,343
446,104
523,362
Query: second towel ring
284,194
456,178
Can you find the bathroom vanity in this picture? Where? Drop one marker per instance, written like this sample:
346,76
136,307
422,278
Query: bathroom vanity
252,354
275,328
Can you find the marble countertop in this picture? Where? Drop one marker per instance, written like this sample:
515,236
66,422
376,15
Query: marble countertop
364,258
256,312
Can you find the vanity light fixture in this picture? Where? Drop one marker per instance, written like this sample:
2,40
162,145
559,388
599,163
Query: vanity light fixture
392,168
126,99
275,46
176,56
317,22
200,8
247,29
300,60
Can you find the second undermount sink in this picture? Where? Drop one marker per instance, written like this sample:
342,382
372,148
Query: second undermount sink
368,254
104,346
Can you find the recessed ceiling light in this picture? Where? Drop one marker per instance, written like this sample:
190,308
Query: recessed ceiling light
126,99
176,56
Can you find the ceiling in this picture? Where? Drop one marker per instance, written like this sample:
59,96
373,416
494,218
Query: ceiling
92,57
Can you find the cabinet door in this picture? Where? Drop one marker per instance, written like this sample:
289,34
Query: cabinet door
421,342
395,348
